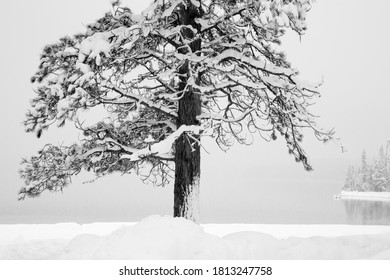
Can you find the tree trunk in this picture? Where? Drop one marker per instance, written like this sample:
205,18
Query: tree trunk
187,162
187,148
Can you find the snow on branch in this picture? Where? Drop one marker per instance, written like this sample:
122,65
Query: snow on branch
226,55
257,64
145,101
164,148
217,117
54,166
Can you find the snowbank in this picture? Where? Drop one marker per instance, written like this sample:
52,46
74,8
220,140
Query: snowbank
175,238
364,195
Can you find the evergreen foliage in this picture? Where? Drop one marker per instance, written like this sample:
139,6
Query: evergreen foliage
373,177
180,70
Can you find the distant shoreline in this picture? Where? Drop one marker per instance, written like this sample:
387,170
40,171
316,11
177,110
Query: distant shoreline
363,195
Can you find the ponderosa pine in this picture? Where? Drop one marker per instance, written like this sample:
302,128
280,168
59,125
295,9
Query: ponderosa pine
180,70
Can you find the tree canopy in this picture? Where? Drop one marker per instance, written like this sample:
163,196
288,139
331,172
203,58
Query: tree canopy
149,70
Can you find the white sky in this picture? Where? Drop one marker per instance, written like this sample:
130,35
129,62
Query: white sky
347,44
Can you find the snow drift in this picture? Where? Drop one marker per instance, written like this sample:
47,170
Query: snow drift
176,238
385,196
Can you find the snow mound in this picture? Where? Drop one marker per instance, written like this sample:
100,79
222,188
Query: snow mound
153,238
177,238
168,238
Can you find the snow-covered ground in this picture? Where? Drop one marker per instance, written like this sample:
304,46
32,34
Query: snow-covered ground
364,195
174,238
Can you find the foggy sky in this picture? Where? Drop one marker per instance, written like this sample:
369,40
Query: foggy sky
347,45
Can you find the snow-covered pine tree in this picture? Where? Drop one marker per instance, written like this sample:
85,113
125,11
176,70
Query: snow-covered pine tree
368,185
349,184
380,182
387,163
178,71
364,167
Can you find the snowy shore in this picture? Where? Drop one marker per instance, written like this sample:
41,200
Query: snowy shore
364,195
168,238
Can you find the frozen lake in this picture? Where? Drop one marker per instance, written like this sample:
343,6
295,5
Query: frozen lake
309,202
266,202
367,212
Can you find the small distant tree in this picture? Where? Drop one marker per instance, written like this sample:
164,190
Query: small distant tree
350,181
180,70
382,162
387,164
380,182
368,185
364,167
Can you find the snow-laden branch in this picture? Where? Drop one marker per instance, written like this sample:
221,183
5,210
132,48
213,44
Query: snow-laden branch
163,148
218,117
139,99
265,66
141,69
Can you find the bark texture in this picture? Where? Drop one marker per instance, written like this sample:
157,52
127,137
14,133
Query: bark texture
187,148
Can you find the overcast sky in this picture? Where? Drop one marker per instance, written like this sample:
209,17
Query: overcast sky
347,44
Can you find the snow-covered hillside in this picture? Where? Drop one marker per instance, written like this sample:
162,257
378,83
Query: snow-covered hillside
175,238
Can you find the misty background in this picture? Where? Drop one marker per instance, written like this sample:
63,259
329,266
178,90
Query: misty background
347,46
